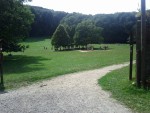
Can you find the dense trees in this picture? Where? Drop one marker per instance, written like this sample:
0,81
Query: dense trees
72,20
42,23
60,38
116,26
81,32
45,22
87,33
15,21
88,29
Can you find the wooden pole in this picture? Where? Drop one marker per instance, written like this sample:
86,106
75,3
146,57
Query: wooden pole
143,41
1,73
138,54
1,68
131,55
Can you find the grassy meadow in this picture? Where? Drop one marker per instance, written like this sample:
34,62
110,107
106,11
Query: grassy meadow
123,90
37,63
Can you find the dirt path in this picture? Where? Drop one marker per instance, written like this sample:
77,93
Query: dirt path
72,93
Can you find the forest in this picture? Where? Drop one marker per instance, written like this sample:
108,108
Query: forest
113,27
69,29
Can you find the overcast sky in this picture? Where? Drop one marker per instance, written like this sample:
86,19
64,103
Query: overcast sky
89,6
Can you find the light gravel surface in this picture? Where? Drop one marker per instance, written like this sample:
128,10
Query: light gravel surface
71,93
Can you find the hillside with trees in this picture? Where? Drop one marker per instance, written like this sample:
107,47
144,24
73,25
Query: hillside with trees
114,28
46,21
78,29
101,28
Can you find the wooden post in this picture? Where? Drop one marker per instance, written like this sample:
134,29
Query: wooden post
131,55
1,69
143,40
138,54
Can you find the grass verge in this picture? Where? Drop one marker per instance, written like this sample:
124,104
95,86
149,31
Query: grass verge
122,89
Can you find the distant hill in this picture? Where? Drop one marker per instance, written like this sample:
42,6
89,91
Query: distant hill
116,27
45,22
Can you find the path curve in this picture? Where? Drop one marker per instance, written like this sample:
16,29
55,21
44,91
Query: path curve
71,93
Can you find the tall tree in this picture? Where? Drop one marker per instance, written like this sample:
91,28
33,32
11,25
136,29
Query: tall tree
60,38
15,21
72,20
87,33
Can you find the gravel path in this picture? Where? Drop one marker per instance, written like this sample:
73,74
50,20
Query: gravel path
72,93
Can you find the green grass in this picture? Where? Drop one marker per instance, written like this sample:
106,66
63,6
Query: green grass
122,89
36,64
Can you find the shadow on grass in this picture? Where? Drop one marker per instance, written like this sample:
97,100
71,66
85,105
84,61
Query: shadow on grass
2,89
22,63
36,39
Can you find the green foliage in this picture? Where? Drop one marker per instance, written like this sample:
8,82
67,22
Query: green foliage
46,21
72,20
127,21
81,30
87,33
60,37
116,27
122,89
38,63
15,23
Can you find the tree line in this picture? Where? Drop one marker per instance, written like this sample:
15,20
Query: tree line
115,27
79,33
45,22
66,29
77,29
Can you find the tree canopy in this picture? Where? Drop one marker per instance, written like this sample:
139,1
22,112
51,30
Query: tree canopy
15,21
87,33
60,38
87,29
116,26
46,21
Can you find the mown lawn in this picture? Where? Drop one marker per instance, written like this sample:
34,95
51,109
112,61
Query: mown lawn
37,63
123,90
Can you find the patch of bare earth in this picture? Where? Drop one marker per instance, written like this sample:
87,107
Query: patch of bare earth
72,93
85,51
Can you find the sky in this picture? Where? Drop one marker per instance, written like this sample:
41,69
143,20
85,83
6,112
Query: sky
89,6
